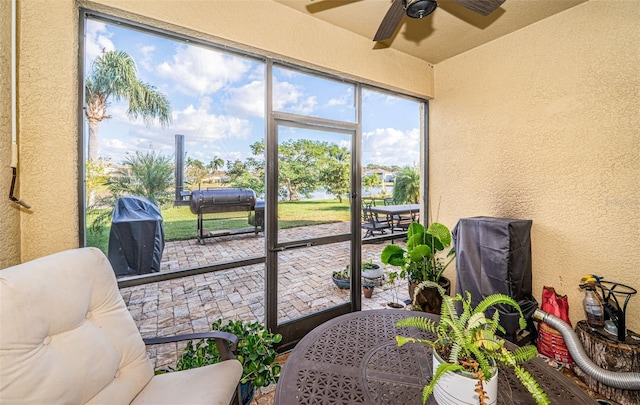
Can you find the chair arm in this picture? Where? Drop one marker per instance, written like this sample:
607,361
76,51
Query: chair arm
226,342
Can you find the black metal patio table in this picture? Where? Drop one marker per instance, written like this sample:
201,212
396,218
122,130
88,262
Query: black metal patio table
354,359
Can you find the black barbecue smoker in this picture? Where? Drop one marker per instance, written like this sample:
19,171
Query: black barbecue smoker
136,240
493,255
226,200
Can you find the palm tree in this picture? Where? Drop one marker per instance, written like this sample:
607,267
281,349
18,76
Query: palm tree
113,74
406,186
215,165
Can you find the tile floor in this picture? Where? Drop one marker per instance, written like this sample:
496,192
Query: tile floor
190,304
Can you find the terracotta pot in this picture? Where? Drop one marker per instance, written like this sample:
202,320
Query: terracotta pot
367,292
429,298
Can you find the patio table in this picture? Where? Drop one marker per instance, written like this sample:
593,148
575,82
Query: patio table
354,359
396,213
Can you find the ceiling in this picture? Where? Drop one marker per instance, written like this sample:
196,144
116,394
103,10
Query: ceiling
450,30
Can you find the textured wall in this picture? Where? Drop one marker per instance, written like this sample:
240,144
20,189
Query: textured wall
9,212
48,130
544,124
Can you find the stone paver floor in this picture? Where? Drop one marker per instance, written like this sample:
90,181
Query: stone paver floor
190,304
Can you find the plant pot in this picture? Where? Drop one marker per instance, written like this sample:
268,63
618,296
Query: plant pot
396,305
375,272
429,298
459,387
342,284
367,291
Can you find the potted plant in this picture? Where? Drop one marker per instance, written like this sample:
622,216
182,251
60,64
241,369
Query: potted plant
254,351
394,285
370,272
471,350
367,288
342,278
422,261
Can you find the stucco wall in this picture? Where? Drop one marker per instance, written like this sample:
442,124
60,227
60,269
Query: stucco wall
48,80
544,124
47,97
9,212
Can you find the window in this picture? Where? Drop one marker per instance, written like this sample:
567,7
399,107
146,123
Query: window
201,125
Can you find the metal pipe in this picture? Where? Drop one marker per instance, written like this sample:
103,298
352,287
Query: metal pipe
621,380
14,114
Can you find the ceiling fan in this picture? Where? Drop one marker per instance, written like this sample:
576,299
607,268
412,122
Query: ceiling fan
422,8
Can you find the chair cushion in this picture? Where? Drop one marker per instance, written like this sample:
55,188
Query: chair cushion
66,335
215,384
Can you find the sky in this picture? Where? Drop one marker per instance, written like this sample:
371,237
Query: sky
217,102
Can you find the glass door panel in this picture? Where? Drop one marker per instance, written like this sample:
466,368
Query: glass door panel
313,224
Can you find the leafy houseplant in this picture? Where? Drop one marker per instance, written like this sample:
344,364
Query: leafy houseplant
254,351
422,261
419,262
469,343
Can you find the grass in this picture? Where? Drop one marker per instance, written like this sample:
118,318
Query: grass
180,224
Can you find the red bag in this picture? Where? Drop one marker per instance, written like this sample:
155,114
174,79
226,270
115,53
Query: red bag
550,341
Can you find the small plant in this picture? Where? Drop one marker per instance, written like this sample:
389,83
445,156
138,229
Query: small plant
343,275
254,351
469,343
369,265
419,262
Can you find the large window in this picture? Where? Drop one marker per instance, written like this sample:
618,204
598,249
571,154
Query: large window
168,118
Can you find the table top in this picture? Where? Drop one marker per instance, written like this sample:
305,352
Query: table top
354,359
396,209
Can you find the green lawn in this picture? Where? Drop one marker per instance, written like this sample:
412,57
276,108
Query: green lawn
180,224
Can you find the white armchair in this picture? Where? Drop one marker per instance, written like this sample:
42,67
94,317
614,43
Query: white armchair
66,337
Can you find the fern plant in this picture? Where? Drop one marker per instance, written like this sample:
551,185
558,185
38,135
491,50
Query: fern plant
468,342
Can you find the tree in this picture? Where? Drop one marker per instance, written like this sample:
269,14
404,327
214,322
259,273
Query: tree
407,185
215,165
144,174
248,174
371,180
335,171
196,172
298,164
114,75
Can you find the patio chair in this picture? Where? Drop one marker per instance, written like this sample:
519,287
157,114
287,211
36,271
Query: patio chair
372,223
67,337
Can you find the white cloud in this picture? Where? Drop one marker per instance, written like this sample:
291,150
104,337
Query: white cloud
202,130
97,40
389,146
200,71
146,61
247,99
288,97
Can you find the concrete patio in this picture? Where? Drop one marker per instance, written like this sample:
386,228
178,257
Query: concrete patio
190,304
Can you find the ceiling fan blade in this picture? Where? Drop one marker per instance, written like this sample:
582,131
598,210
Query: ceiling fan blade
390,21
484,7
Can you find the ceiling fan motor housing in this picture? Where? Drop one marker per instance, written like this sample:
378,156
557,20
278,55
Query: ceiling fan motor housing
419,8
